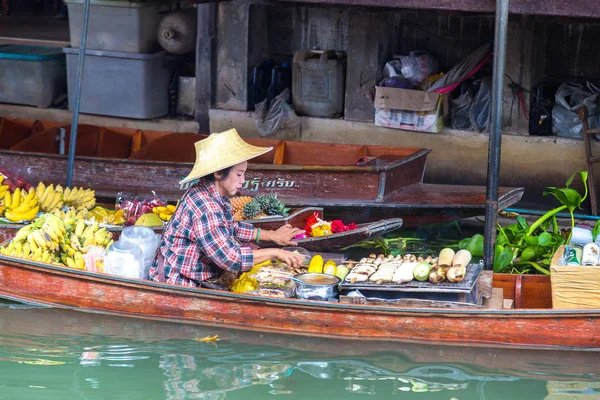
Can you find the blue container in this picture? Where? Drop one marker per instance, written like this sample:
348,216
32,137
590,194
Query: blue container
31,75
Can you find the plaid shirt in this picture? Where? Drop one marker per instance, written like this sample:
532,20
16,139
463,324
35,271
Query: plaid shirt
200,239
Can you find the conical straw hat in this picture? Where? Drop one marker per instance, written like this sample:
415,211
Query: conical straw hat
219,151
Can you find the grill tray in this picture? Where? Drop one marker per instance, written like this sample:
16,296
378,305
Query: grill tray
464,286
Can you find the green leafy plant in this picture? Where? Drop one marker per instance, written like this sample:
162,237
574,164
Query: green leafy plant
523,248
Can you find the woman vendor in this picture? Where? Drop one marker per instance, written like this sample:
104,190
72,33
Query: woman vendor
202,240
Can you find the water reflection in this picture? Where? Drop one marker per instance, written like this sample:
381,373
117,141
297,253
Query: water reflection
52,354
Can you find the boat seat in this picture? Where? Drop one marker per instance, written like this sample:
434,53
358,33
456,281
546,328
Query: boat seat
174,147
46,141
12,133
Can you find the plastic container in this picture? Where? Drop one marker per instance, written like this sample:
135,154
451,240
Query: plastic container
124,259
275,280
147,241
31,75
318,82
121,84
119,26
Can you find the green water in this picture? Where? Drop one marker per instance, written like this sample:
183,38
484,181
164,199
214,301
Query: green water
55,354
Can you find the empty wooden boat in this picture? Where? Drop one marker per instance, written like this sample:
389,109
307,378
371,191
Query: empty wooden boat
365,182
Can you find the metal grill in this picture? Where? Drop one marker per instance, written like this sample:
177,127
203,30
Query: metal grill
464,286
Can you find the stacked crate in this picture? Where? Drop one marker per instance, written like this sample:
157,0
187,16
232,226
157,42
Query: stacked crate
125,73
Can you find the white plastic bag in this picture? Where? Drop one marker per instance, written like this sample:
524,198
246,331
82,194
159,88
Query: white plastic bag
417,66
569,99
278,115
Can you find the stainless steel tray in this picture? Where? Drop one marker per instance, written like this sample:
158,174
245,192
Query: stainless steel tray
464,286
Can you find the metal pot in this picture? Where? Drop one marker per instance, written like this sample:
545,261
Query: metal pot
311,286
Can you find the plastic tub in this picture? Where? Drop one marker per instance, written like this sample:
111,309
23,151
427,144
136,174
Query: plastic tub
147,241
124,259
120,26
121,84
31,75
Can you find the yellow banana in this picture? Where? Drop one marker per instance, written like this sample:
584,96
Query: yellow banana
32,243
7,200
39,191
37,254
165,217
74,194
45,257
171,208
24,207
67,194
1,179
59,188
30,194
71,262
23,232
39,239
79,263
80,227
16,198
28,216
18,247
49,229
26,250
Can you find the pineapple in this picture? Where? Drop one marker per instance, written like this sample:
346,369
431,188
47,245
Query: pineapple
238,215
252,210
276,207
238,203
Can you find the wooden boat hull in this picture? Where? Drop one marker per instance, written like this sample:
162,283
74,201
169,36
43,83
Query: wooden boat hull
81,290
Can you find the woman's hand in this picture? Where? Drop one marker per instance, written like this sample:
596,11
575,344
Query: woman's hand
291,259
283,236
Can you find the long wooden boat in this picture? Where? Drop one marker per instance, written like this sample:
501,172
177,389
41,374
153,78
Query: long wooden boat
532,324
365,182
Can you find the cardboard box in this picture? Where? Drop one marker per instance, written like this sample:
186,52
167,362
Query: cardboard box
496,302
575,287
414,110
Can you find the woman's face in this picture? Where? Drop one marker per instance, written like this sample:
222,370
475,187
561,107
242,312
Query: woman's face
234,182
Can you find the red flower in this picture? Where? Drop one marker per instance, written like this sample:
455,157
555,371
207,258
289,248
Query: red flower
338,226
351,226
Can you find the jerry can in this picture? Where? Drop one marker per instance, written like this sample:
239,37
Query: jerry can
318,83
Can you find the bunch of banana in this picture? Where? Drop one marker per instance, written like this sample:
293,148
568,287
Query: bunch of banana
71,214
165,213
83,237
21,205
50,197
23,250
38,241
79,198
47,233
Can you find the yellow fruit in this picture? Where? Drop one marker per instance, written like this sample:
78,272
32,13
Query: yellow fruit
149,219
238,203
341,271
165,217
7,200
16,198
171,208
316,265
329,267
